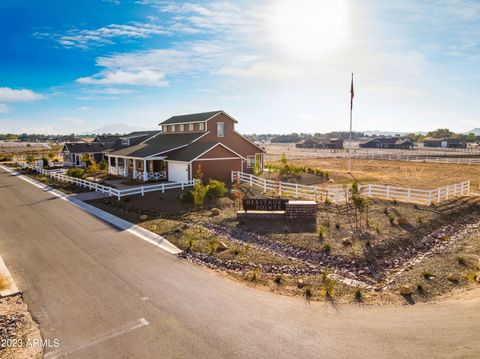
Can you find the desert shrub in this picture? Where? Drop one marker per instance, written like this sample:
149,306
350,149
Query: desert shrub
103,165
322,232
45,162
75,172
278,279
255,275
461,261
327,248
236,251
213,245
308,293
358,295
337,226
186,197
198,193
30,158
328,285
191,241
402,221
216,189
420,288
51,155
427,275
391,219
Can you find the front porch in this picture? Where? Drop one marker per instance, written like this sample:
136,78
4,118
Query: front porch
152,169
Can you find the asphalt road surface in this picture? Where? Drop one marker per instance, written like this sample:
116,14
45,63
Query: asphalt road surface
108,294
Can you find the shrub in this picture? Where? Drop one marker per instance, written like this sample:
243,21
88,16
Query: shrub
391,219
308,293
420,288
255,275
30,158
213,245
328,285
236,251
461,261
278,279
216,189
103,165
191,241
337,226
322,232
199,192
51,155
186,197
75,172
358,295
45,162
427,275
327,248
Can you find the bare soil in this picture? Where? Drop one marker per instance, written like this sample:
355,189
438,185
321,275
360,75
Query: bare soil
17,328
395,173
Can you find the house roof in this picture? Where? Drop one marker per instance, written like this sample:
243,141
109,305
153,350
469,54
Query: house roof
157,145
88,147
194,150
194,117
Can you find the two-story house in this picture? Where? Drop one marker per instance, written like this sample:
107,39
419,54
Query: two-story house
187,143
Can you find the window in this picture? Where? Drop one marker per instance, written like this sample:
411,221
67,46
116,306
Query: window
201,126
220,129
125,141
251,161
164,128
182,128
190,127
172,128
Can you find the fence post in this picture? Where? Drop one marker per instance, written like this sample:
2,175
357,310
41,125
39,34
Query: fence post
118,196
251,180
296,190
409,193
110,191
446,193
388,192
231,176
163,187
438,195
142,191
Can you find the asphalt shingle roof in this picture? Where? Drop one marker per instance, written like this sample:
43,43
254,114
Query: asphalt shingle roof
158,144
88,147
194,117
192,151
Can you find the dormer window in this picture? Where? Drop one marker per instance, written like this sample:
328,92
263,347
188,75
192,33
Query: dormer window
201,126
125,141
172,128
220,129
190,127
182,128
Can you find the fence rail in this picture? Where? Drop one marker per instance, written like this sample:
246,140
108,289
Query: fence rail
374,156
338,195
59,175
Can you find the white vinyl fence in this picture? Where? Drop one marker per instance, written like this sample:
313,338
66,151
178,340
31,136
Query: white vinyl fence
59,175
270,157
338,195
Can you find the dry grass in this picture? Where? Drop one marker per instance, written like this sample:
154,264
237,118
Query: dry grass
399,173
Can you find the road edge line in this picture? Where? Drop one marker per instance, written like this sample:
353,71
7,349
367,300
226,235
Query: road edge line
118,222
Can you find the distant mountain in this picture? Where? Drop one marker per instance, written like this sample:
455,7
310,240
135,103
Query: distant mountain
119,128
476,131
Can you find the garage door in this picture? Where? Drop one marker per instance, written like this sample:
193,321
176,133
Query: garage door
177,171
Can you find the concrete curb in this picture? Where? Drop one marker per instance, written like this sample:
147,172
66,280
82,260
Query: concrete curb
12,289
120,223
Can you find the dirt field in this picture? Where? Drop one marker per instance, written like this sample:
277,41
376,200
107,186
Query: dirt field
398,173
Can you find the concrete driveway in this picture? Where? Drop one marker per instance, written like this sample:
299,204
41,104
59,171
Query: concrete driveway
107,294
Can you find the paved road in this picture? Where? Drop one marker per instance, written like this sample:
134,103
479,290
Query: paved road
96,288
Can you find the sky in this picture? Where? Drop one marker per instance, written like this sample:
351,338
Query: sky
277,66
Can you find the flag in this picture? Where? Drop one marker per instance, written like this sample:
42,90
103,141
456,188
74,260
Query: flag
352,95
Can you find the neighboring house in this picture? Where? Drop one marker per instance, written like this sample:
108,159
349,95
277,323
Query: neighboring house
444,143
389,142
333,143
206,141
100,146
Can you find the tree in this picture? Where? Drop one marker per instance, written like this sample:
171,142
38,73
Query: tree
442,133
86,159
51,155
93,168
30,158
103,165
199,173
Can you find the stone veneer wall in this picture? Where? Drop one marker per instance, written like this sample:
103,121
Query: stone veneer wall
301,210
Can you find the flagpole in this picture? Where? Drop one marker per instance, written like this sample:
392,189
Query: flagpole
350,144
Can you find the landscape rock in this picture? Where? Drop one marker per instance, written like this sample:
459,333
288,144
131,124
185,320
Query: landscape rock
215,212
300,283
221,246
405,289
143,217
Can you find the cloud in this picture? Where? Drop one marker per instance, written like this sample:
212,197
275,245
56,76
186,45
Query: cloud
85,38
111,91
3,108
83,108
120,77
8,94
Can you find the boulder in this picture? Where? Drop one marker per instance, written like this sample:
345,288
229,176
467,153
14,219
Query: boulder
405,289
143,217
300,283
215,212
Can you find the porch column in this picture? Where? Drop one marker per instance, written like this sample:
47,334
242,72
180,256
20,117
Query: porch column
125,163
145,175
116,166
134,168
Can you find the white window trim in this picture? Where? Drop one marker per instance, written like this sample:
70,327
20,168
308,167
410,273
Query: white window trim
190,127
182,128
172,128
201,126
222,125
254,161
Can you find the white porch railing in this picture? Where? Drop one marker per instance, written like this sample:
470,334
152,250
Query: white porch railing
117,171
319,194
146,176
